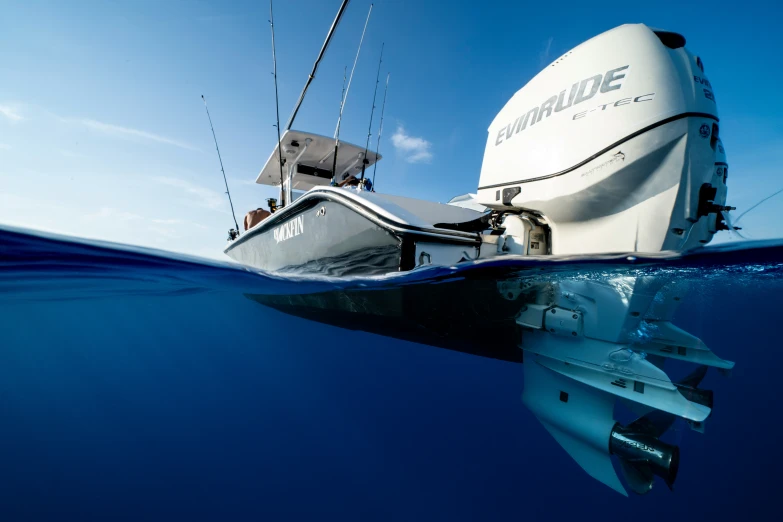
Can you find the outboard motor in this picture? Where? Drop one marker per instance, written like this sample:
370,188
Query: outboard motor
614,146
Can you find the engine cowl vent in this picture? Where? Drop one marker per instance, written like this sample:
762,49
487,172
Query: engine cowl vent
671,40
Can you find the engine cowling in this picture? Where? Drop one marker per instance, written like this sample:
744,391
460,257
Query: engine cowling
615,144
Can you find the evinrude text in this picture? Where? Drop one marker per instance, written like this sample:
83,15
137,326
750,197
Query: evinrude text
580,91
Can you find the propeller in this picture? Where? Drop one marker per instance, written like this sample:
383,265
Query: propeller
641,453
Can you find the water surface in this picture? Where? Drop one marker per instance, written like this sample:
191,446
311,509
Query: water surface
141,386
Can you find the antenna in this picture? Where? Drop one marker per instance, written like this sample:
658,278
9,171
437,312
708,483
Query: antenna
277,103
345,97
232,234
372,111
317,61
380,131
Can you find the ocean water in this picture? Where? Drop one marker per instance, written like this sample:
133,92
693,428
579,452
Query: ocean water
141,386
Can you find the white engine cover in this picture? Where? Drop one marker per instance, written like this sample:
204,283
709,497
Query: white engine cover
611,144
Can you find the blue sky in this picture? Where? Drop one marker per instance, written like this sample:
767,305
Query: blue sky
103,133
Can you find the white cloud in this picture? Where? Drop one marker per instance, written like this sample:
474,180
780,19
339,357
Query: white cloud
76,218
168,228
416,150
204,196
5,146
165,232
242,181
126,132
544,55
114,214
11,112
71,154
179,222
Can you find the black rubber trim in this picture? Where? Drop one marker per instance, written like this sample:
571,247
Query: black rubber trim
477,225
407,254
721,163
607,149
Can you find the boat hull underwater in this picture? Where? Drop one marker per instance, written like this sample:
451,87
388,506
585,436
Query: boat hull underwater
592,334
612,148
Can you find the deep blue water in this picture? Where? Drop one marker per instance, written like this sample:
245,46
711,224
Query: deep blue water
136,386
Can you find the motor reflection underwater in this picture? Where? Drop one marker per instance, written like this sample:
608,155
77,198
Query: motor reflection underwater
614,147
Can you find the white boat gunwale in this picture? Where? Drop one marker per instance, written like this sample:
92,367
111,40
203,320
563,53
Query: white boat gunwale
367,209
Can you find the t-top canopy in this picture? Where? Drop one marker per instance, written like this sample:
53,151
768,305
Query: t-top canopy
314,167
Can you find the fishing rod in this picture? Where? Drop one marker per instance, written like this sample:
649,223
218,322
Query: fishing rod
232,234
372,111
757,204
380,131
345,97
311,77
277,103
732,224
342,94
342,97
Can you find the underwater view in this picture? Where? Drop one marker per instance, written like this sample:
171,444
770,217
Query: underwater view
522,268
137,385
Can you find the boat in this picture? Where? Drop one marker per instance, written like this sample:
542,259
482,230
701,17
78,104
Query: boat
612,149
342,231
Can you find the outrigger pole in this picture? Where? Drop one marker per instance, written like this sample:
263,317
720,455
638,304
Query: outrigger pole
345,97
311,77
